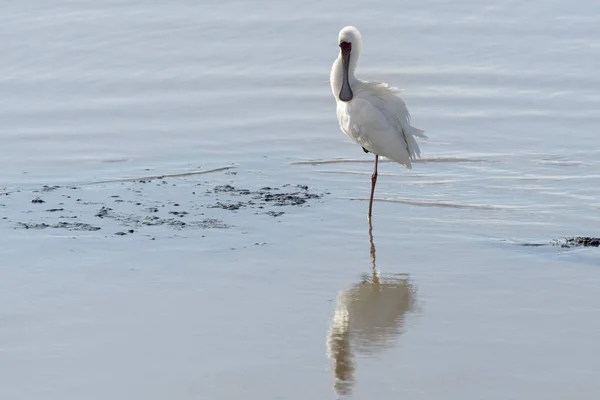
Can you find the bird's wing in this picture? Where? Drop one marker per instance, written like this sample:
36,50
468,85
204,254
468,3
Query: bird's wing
376,131
389,98
394,108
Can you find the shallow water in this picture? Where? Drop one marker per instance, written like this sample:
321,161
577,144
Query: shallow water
290,306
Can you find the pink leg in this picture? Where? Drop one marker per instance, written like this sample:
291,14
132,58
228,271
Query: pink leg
373,182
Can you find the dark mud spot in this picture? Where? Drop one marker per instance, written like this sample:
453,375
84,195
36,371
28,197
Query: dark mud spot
281,199
224,188
178,224
231,190
275,213
55,209
213,223
288,199
155,220
72,226
578,241
103,212
37,200
228,206
265,196
137,221
121,233
47,188
585,241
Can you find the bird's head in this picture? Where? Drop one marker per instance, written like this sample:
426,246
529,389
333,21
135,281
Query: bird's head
351,35
350,43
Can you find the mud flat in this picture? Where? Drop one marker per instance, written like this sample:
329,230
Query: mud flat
130,206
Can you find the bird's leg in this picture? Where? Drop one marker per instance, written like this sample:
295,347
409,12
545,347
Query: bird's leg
373,182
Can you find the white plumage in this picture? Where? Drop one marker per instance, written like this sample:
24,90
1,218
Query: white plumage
371,113
379,121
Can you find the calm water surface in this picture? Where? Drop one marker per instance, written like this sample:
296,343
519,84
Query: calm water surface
438,301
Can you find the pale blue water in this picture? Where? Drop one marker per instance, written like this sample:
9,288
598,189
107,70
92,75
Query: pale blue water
508,94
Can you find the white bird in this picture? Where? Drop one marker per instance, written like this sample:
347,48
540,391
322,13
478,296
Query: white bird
371,113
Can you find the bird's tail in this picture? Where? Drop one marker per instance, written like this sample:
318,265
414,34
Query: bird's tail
417,132
410,132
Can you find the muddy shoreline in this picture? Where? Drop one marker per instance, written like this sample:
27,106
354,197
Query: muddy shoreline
128,206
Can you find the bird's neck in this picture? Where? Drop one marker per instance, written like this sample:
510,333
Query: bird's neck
337,76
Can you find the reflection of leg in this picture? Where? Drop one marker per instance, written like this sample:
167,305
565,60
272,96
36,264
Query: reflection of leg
373,257
373,182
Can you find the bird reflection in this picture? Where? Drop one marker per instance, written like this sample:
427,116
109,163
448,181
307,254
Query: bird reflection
369,316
